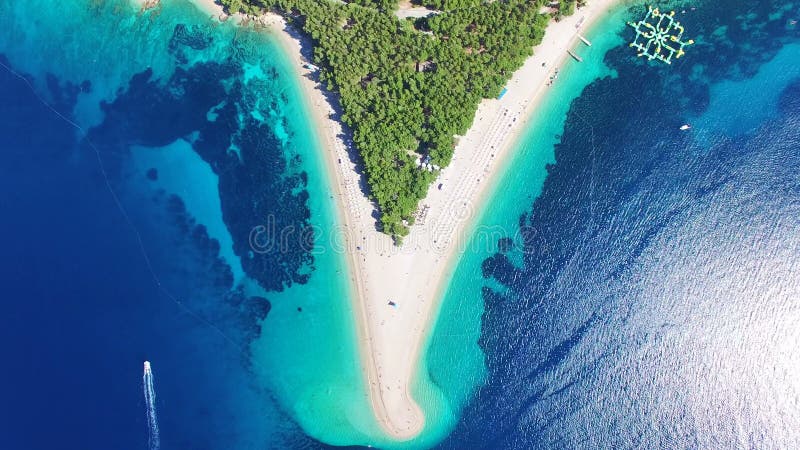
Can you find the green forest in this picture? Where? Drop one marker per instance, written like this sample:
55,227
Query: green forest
408,87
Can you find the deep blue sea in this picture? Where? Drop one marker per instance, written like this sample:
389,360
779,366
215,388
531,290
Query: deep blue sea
655,305
657,300
138,151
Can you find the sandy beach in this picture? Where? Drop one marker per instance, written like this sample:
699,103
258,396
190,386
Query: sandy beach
397,290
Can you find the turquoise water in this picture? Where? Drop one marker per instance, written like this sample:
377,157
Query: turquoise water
150,159
649,301
200,132
304,355
183,173
455,361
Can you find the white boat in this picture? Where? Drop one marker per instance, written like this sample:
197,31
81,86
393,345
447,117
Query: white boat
685,127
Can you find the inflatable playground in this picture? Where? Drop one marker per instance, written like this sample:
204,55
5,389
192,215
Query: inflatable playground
659,36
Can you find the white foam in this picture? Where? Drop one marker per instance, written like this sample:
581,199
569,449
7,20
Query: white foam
150,402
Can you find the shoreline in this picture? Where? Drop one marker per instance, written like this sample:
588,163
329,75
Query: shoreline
589,16
415,277
327,131
503,163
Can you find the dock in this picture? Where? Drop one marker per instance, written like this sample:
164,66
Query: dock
585,41
577,58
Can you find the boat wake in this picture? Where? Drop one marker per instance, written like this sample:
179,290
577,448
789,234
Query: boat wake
150,401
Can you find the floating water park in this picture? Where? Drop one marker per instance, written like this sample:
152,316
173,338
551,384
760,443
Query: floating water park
659,36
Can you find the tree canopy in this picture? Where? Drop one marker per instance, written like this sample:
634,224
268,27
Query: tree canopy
408,87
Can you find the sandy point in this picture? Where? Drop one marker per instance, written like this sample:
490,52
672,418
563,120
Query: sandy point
397,290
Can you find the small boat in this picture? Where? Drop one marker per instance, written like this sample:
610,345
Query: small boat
685,127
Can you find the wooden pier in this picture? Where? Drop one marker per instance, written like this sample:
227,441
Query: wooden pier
577,58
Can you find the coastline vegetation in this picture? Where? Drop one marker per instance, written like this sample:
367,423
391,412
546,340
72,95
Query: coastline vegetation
409,87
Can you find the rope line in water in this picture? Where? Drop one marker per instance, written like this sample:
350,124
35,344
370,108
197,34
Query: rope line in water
126,216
